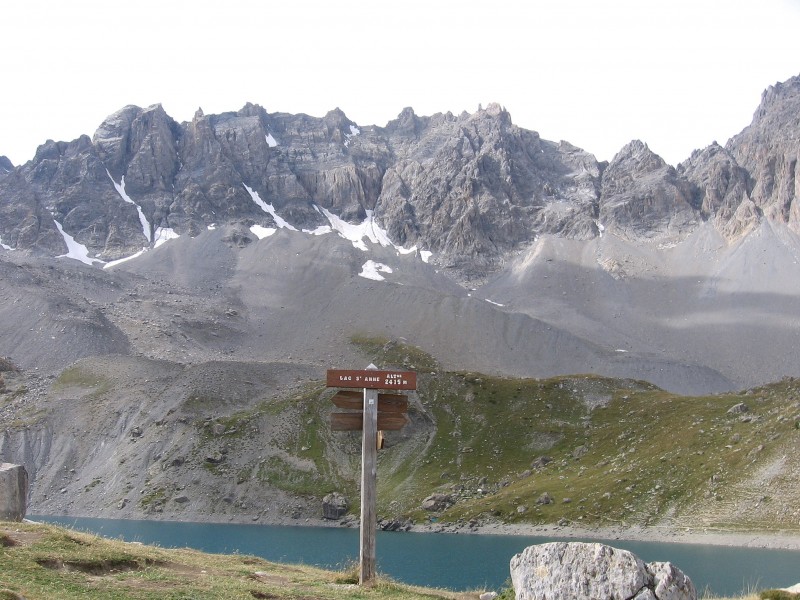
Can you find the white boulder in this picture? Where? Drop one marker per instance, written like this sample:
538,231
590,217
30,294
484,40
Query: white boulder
583,571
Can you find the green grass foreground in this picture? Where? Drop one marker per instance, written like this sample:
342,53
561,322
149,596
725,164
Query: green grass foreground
41,561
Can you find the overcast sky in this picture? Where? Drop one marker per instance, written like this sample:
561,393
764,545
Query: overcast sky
677,74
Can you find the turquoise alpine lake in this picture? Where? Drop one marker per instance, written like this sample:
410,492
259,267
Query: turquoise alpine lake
453,561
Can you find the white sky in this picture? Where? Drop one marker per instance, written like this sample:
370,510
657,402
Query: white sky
677,74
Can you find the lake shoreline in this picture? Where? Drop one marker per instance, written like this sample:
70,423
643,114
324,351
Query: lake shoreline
637,533
775,540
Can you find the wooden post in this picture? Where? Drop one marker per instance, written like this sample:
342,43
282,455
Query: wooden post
385,410
369,469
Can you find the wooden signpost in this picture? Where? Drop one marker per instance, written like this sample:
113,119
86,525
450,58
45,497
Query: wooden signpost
373,413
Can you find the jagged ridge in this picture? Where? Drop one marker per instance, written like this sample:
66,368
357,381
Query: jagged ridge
471,188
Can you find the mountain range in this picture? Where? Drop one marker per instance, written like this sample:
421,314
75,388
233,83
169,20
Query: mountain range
177,261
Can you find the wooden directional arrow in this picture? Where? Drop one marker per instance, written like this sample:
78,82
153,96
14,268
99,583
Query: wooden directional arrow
353,421
349,399
390,403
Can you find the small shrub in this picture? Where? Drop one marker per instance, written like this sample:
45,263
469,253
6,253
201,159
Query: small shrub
507,593
778,595
7,365
349,574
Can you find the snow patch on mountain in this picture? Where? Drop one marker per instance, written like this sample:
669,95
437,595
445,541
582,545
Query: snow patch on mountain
367,229
321,230
269,209
119,261
356,233
4,246
354,131
75,250
372,270
262,232
271,141
120,187
164,234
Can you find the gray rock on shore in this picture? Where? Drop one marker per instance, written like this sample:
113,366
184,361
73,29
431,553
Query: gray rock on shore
583,571
334,506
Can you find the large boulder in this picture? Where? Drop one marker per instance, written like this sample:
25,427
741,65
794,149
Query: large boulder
334,506
437,502
583,571
13,492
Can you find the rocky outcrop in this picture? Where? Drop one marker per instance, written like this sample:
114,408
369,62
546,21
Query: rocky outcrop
583,571
437,502
6,166
474,187
642,197
395,524
334,506
13,492
769,149
721,190
68,184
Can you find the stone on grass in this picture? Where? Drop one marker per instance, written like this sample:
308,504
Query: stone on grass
738,409
437,502
583,571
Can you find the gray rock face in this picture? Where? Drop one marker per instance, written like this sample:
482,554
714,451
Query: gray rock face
6,166
472,188
642,197
334,506
769,150
721,188
582,571
13,492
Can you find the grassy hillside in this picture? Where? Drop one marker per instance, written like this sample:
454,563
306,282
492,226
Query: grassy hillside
129,438
591,450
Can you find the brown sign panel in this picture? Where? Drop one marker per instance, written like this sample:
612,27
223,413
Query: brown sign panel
390,422
353,421
372,379
349,399
392,403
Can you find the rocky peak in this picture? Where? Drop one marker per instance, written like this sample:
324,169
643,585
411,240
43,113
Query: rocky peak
721,190
407,124
6,166
775,95
140,145
643,198
56,151
636,157
769,149
336,117
495,111
252,110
